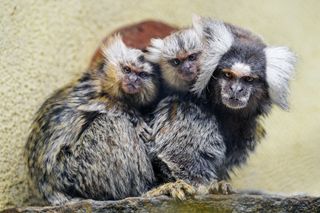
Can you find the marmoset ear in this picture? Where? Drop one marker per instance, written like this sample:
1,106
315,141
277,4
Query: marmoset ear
154,50
197,24
114,49
217,41
280,70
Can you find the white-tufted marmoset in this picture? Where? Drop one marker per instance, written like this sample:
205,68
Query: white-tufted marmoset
87,139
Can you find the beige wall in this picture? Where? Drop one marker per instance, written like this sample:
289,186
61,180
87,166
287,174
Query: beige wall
45,44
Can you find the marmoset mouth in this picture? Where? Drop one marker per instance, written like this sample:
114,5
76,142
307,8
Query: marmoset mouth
188,76
131,88
234,103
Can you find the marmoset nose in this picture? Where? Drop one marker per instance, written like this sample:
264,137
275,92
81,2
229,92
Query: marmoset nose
186,67
236,88
133,78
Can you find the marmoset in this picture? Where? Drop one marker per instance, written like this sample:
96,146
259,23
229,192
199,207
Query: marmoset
178,58
241,82
175,137
87,139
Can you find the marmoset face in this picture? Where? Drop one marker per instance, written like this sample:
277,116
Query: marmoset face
239,79
178,56
128,74
135,76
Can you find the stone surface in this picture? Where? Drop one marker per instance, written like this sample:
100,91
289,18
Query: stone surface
136,36
209,203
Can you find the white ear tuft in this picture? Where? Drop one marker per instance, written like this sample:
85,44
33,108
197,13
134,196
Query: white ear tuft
114,49
155,50
197,24
195,18
219,39
280,69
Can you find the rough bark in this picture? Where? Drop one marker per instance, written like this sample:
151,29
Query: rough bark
208,203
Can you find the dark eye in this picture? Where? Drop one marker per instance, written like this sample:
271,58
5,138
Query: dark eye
192,57
141,59
126,69
248,79
143,74
227,75
174,62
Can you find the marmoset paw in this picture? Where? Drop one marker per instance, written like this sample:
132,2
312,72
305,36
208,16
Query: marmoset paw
144,132
178,190
221,187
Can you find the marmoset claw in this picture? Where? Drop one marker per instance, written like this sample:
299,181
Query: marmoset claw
178,190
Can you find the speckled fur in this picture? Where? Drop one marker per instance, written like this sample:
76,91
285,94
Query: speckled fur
87,139
199,139
187,143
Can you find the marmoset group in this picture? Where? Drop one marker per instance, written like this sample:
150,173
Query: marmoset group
174,120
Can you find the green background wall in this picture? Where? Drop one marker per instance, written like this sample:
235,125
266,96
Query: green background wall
45,44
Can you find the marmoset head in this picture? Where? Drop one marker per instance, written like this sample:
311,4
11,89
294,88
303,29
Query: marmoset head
127,74
240,77
242,74
178,56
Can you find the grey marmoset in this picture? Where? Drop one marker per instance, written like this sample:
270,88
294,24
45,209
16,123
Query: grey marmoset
87,139
201,136
178,56
181,123
178,70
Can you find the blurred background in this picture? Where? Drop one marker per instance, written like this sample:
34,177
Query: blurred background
45,44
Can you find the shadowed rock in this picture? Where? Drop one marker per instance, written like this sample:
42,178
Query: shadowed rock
208,203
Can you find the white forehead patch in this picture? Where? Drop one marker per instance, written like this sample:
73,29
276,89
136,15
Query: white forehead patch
241,67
